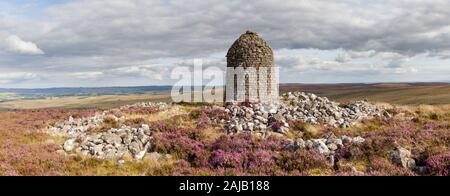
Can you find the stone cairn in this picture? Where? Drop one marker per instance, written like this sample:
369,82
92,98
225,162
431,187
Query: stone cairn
114,143
250,51
272,119
298,106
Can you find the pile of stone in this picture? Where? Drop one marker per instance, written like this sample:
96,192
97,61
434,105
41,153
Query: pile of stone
87,138
114,143
154,105
298,106
76,126
325,146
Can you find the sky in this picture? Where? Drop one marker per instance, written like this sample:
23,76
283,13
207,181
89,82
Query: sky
94,43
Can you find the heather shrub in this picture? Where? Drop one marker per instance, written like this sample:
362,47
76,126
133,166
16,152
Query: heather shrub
184,143
216,113
171,124
302,161
262,162
245,142
235,143
195,114
423,154
276,125
32,159
246,154
203,120
140,110
350,152
254,162
383,167
220,159
439,165
135,122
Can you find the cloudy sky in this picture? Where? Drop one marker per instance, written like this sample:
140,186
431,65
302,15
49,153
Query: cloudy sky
71,43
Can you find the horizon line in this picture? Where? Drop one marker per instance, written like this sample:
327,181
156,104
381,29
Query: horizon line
287,83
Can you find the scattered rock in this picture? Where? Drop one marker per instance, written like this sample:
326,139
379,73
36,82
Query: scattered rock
325,146
153,105
120,163
154,156
346,139
69,145
358,140
402,157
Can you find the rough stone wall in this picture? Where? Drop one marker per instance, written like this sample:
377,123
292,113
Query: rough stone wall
250,50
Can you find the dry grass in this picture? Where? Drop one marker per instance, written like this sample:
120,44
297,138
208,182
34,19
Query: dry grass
105,101
397,93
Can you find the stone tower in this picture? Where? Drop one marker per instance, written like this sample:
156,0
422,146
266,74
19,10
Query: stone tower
251,74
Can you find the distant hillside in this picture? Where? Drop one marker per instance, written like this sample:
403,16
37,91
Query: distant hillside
394,93
8,94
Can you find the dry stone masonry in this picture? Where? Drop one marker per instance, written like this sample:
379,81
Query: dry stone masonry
250,51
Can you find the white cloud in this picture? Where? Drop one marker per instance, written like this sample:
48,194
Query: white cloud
87,75
13,77
347,56
306,63
15,44
153,71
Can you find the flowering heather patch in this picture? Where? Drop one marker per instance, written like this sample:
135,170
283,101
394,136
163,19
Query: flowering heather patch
382,167
221,159
439,165
171,124
350,152
135,123
216,113
301,161
209,115
140,110
276,125
245,153
184,143
203,120
23,150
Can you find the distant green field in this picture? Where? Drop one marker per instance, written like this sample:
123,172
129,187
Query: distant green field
402,93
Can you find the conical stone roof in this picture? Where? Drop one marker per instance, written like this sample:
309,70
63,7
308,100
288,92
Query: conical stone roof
250,50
